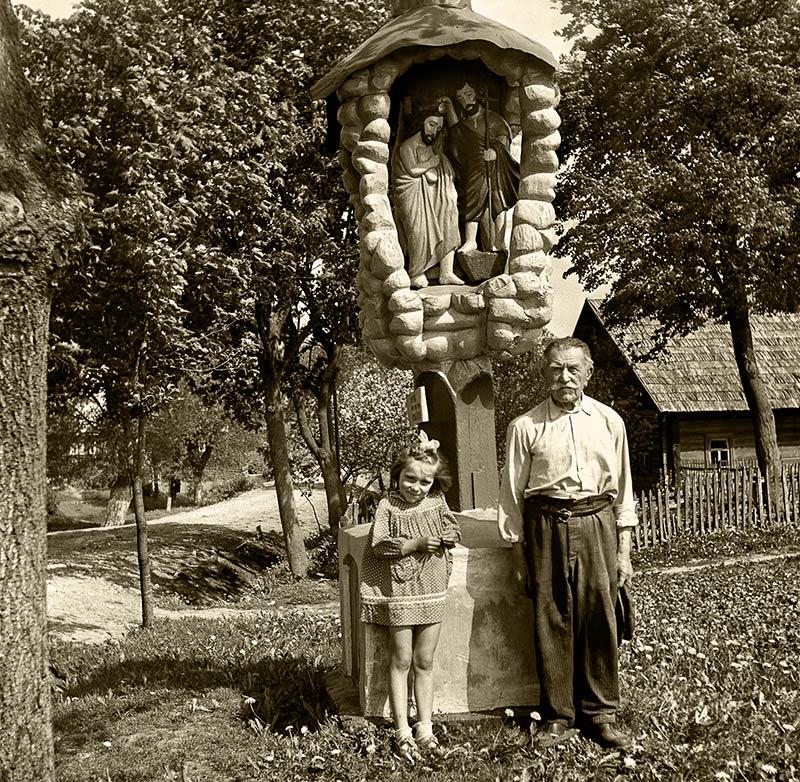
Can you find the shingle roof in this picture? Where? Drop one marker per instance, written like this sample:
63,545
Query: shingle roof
698,372
431,26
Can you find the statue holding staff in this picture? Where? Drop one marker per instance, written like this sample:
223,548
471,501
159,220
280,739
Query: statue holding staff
479,141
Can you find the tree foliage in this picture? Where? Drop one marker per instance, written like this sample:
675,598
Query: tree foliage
219,232
190,438
683,157
372,414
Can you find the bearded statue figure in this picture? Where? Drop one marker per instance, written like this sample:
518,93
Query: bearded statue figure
426,202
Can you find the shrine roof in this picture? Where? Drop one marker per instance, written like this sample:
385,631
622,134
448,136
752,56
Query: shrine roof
697,372
432,26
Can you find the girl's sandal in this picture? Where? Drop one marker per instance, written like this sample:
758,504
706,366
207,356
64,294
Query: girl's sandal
406,749
431,746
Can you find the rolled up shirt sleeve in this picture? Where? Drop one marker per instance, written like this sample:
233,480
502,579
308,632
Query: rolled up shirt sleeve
624,505
512,486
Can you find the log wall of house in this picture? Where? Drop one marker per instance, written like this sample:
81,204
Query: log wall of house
694,433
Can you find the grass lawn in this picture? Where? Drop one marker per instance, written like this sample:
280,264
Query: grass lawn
710,686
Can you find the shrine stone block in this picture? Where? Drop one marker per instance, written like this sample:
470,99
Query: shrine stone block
483,661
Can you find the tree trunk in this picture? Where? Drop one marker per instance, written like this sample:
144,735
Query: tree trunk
758,400
34,200
324,450
197,461
142,550
335,494
25,739
329,466
279,457
119,501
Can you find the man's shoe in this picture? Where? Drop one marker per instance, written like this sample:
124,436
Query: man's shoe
552,733
607,734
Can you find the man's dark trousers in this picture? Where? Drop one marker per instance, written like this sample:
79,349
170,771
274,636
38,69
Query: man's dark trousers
572,564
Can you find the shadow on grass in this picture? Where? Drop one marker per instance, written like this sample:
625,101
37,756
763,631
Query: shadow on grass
275,692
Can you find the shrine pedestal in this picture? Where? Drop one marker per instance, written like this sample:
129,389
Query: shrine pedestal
483,661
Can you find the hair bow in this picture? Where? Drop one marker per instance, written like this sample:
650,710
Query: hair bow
426,444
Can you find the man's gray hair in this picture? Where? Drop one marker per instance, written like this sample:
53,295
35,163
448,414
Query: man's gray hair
565,343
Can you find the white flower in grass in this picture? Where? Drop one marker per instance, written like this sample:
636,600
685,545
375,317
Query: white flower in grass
509,713
535,716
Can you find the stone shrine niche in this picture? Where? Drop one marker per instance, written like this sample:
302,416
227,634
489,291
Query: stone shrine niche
453,216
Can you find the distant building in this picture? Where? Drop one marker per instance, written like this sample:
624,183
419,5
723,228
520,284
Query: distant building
686,407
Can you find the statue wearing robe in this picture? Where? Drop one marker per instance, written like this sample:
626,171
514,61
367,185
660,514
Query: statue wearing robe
426,204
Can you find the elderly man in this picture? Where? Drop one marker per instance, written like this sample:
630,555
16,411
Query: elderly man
566,505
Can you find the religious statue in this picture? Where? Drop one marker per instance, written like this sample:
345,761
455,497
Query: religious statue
426,203
479,142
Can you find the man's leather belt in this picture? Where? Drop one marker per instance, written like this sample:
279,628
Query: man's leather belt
564,509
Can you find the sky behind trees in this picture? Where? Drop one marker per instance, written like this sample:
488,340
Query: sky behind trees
539,20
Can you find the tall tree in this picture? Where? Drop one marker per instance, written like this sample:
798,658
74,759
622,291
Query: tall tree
201,142
331,300
683,160
37,203
190,434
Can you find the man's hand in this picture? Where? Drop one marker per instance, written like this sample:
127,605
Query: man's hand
489,155
624,567
520,569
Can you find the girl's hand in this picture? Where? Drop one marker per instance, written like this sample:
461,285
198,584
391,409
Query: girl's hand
428,545
449,538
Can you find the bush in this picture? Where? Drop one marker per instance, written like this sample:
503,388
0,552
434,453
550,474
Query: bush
230,488
323,555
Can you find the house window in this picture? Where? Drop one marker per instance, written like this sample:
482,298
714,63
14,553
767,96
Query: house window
719,451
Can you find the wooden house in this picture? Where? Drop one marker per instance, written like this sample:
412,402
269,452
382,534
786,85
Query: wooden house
686,408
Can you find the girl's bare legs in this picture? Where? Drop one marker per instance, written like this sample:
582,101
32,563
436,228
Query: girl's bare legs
401,650
426,638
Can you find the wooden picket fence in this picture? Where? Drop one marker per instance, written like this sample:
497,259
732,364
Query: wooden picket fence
704,500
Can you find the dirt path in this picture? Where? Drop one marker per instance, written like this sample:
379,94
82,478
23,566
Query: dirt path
244,512
94,610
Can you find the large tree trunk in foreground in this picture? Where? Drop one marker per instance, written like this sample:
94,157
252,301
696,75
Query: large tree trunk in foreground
26,751
759,402
35,207
284,488
119,501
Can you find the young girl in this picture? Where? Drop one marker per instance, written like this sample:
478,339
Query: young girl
405,572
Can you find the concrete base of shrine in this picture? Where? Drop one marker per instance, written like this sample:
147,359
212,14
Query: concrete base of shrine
483,661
